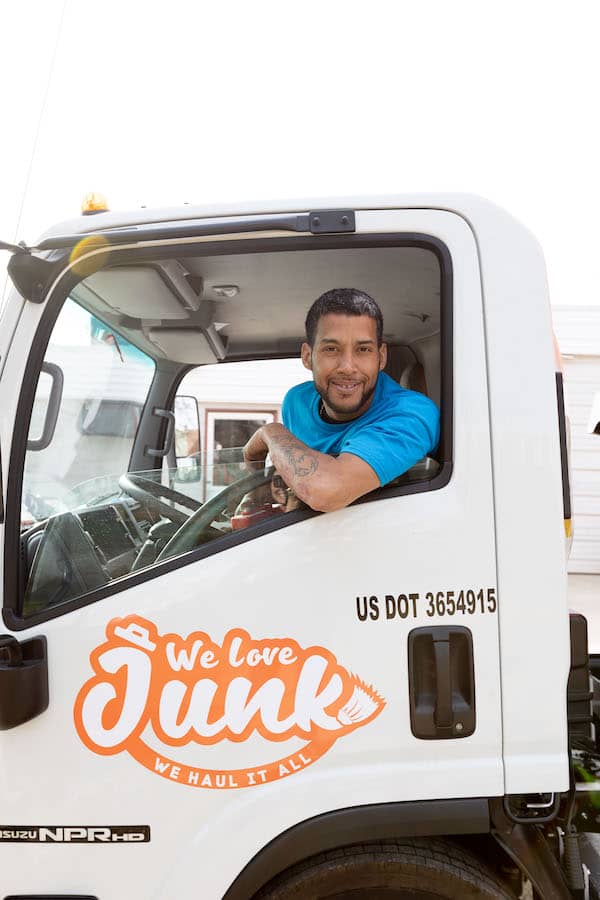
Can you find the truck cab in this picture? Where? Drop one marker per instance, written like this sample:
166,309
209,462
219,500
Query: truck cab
231,705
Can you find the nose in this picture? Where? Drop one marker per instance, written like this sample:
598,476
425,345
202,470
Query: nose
346,362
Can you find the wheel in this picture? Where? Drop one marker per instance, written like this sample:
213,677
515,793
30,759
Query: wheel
407,869
153,495
196,526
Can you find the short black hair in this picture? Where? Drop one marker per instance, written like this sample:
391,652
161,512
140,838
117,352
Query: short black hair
347,302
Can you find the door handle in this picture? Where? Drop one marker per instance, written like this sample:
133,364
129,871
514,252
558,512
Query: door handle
441,682
23,680
170,417
442,714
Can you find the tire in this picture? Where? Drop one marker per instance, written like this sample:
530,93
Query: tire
406,869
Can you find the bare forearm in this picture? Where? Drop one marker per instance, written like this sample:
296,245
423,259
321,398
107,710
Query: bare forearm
315,478
296,462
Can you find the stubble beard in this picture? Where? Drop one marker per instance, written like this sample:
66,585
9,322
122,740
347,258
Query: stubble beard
344,411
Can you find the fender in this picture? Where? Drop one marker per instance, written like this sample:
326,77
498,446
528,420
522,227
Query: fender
355,825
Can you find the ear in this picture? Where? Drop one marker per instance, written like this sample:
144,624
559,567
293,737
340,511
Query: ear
382,356
306,356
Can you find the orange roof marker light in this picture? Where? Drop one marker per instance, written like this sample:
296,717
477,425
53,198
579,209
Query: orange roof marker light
93,203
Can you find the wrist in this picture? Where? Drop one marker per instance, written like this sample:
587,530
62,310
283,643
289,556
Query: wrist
254,457
256,449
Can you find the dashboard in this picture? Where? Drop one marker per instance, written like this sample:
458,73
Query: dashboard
116,535
74,553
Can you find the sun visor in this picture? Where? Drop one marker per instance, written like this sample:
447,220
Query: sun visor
194,346
146,292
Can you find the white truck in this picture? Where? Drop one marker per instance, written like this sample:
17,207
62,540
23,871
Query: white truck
370,703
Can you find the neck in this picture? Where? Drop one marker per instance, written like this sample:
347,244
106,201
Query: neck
332,419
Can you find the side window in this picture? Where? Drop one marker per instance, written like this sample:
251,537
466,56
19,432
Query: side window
114,484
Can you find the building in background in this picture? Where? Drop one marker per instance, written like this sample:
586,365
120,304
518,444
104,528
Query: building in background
577,329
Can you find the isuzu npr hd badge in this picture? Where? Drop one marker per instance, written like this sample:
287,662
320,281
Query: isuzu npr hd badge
195,691
74,834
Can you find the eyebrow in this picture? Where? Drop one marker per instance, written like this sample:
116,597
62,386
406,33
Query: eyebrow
326,340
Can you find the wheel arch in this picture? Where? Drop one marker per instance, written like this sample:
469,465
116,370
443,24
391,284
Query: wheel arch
355,825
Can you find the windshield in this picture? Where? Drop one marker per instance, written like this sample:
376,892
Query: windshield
87,407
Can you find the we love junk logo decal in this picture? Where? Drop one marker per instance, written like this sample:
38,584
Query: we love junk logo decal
195,691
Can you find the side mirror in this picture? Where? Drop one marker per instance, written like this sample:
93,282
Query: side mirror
55,391
187,439
594,419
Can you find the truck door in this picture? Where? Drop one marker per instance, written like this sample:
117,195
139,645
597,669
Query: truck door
210,694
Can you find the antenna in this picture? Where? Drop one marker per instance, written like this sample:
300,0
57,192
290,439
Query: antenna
36,140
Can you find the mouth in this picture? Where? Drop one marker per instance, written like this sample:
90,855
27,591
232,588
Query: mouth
346,387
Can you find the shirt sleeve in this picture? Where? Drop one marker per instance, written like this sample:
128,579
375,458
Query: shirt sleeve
286,410
399,440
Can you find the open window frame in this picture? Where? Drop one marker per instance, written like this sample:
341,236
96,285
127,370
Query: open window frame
14,575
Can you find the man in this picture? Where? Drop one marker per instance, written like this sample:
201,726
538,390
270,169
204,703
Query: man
352,428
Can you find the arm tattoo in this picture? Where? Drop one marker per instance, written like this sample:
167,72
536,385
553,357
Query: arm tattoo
302,460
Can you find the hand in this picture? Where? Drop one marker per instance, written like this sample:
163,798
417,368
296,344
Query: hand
257,499
255,451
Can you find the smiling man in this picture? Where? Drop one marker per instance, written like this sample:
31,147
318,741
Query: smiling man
352,428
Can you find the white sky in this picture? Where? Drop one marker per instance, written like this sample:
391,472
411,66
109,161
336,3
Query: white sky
159,103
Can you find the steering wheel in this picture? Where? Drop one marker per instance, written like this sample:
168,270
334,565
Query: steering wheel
153,495
199,523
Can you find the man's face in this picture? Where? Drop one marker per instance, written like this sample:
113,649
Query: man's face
345,362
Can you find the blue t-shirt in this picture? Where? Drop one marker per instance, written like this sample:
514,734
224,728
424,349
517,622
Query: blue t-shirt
397,430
